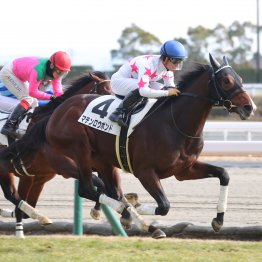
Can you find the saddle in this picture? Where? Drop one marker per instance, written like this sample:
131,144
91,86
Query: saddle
136,109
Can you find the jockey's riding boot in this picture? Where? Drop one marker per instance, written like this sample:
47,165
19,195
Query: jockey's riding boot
130,100
11,125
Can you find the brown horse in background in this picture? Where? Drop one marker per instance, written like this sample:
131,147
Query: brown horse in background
33,177
166,143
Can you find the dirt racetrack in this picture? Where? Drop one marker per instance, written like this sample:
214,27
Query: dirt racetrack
191,201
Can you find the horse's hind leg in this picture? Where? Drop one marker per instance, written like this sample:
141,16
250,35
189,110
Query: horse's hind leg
34,186
96,210
10,193
19,203
203,170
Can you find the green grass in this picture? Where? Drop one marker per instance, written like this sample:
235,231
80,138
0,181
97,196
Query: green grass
70,248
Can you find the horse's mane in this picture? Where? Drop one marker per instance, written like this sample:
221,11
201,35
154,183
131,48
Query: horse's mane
195,70
74,86
77,83
26,147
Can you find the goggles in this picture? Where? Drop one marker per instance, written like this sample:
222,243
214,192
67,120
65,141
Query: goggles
60,73
176,61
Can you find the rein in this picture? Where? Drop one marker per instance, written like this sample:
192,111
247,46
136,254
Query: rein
178,129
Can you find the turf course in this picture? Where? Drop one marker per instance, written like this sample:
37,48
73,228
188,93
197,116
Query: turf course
94,248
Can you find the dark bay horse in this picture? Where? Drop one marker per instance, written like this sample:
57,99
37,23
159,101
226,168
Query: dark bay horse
166,143
30,186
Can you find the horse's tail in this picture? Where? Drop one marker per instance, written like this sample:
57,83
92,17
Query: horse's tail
26,147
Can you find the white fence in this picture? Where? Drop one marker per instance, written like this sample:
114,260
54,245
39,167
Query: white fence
233,138
254,89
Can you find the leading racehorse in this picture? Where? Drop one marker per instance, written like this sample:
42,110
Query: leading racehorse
166,143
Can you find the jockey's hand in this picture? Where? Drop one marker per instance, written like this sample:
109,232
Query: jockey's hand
52,98
173,92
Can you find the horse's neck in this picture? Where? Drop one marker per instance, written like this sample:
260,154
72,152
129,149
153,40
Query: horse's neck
190,115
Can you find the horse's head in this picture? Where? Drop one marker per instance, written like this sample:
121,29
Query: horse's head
91,83
102,85
228,89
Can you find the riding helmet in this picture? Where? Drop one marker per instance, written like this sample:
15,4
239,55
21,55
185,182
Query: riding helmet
173,49
61,60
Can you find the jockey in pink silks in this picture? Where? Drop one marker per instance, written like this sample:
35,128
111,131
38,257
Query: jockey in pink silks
25,77
138,78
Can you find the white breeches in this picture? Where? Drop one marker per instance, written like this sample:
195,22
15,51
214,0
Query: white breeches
16,86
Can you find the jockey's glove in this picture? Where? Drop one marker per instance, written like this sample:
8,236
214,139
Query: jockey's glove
52,98
173,92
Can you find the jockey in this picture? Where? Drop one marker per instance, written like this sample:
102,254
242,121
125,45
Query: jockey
138,78
27,77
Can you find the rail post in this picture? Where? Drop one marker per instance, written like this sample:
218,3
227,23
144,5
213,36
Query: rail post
78,216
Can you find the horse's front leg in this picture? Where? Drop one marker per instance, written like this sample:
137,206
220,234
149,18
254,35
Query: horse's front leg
203,170
151,182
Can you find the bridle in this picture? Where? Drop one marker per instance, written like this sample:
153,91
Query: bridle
222,97
219,97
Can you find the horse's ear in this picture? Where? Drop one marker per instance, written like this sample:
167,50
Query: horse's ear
91,75
225,60
95,77
215,64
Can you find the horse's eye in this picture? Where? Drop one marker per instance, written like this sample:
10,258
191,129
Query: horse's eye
226,81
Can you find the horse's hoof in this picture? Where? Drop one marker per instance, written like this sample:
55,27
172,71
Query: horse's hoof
44,221
126,223
216,225
95,214
132,198
158,233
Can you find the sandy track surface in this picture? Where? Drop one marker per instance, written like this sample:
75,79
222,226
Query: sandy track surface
191,201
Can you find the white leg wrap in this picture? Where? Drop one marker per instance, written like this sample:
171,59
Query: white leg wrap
114,204
30,211
138,220
7,213
222,201
145,210
19,230
33,213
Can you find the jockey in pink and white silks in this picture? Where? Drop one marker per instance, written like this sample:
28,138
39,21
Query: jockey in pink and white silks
138,78
26,77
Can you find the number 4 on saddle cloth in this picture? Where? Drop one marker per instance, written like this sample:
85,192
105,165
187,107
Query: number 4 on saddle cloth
96,115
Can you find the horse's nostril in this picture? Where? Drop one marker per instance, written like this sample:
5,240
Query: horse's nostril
248,108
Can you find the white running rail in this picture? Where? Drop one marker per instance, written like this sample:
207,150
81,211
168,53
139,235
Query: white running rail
233,138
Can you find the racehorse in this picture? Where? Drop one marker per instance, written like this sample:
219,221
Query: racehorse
30,186
167,142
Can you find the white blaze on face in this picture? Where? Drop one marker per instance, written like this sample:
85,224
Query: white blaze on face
254,107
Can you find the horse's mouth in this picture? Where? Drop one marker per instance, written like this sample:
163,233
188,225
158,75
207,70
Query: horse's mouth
244,112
